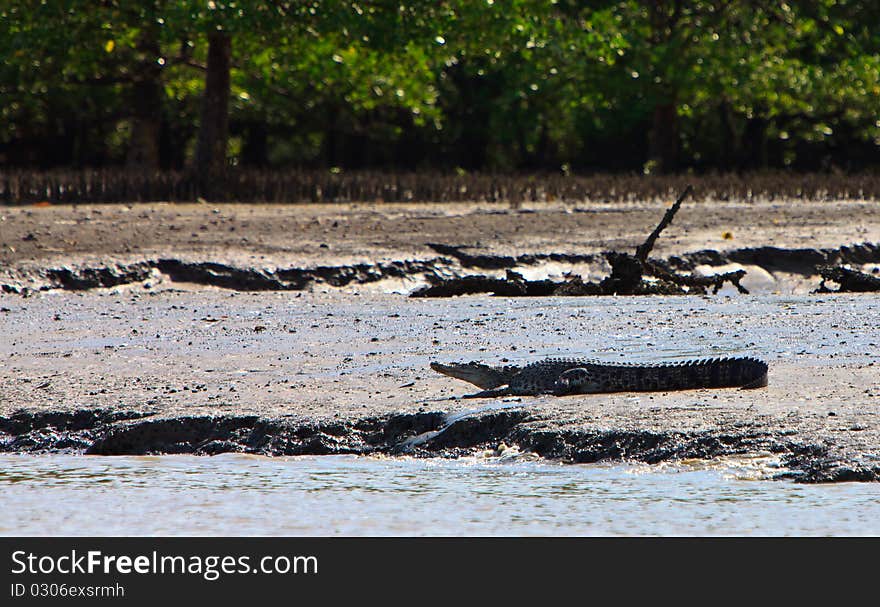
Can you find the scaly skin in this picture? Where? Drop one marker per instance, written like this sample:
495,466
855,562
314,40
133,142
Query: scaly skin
562,376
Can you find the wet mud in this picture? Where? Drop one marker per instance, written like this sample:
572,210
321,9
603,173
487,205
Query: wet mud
420,435
150,329
452,275
208,372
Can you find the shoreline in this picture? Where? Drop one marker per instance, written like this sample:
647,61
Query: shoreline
336,361
102,433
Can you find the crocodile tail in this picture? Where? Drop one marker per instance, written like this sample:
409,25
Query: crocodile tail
740,372
708,373
756,369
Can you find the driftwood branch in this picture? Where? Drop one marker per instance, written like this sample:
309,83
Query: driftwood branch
630,274
699,283
645,248
850,281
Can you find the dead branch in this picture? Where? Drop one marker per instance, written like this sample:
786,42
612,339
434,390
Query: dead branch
699,283
850,281
645,248
627,277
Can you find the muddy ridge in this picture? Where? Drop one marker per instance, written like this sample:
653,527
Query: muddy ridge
102,432
447,275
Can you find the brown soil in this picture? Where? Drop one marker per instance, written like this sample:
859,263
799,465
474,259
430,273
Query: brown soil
303,235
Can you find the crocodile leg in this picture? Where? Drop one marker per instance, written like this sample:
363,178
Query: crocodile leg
574,381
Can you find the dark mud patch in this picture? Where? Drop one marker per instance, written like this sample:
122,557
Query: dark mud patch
56,431
215,275
805,262
83,279
586,446
78,278
290,279
512,285
502,262
250,434
447,275
431,434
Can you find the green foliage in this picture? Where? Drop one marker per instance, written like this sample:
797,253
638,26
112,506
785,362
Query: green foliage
478,84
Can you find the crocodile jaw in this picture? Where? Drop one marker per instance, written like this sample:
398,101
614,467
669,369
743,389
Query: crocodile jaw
482,376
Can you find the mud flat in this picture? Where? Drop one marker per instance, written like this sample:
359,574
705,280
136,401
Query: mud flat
312,236
211,371
134,329
423,248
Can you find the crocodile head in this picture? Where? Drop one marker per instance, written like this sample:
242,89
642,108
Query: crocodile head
482,376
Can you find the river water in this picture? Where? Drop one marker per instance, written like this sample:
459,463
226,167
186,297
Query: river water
242,495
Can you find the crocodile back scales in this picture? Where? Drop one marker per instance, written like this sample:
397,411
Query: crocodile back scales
543,377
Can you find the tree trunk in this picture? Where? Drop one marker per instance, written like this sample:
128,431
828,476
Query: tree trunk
255,148
143,145
663,141
210,162
146,102
755,144
728,144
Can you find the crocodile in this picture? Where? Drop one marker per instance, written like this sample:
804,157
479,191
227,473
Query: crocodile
561,376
